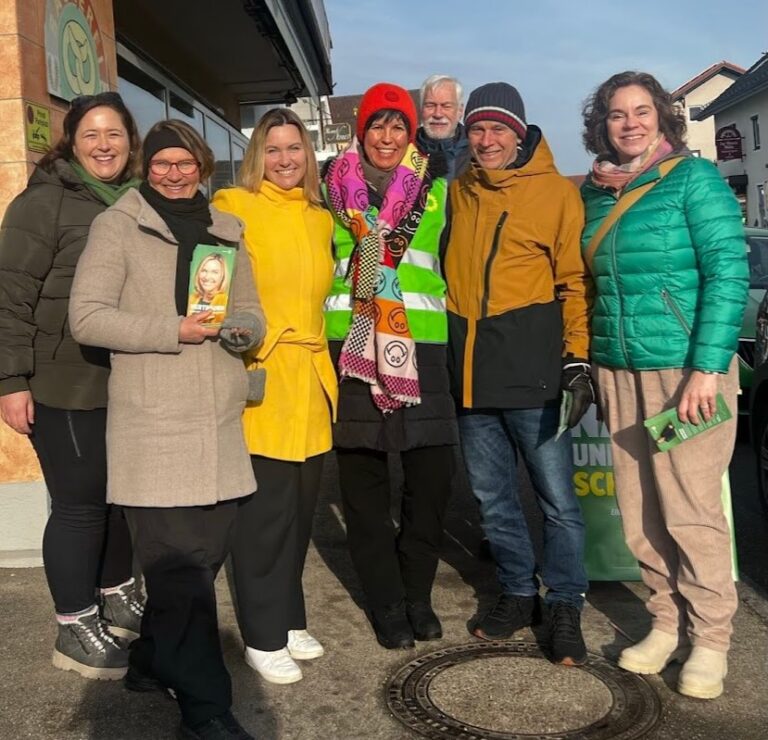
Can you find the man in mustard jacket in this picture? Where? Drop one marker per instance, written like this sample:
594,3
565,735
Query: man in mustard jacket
517,312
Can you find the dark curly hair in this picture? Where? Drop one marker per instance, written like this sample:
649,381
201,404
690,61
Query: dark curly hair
596,107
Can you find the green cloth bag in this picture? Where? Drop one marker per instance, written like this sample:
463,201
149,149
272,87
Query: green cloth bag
606,555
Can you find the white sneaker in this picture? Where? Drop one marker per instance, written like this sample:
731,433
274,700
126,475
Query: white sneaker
703,673
302,646
653,653
275,666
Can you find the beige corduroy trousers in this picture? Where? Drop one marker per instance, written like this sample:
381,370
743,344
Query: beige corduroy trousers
670,503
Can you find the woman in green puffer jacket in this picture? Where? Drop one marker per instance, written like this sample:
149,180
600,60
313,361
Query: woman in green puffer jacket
671,285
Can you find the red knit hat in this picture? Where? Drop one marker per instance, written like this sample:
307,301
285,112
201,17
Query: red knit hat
385,95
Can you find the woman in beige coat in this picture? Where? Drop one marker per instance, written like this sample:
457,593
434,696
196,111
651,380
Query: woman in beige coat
177,459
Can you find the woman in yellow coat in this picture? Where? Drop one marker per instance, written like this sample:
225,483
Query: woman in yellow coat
288,237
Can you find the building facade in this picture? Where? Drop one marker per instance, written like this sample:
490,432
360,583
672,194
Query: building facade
740,116
693,96
206,63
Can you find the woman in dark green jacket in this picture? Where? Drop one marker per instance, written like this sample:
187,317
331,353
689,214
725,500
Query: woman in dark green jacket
671,285
55,390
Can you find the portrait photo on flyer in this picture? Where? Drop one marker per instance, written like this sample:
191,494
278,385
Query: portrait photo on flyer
210,278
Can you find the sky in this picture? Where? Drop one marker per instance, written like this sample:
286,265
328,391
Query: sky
555,52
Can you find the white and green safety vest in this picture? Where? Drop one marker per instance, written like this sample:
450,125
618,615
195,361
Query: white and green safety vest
421,280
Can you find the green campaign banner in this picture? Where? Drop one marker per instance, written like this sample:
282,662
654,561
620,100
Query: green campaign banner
606,557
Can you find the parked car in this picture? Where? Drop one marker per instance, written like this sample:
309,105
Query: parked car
753,345
757,240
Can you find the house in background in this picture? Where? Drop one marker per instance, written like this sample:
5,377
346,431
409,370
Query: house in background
697,93
738,115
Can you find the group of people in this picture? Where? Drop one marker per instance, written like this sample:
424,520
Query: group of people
438,284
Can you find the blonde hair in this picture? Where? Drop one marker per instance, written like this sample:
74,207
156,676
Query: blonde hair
251,173
213,257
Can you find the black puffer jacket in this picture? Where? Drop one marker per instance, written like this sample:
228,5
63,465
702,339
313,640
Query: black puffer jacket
43,234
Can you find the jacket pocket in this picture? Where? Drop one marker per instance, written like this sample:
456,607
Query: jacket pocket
671,304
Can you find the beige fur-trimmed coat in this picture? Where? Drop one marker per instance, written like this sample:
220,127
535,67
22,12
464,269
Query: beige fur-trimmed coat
174,431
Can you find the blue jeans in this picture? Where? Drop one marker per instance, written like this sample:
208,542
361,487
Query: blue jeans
490,440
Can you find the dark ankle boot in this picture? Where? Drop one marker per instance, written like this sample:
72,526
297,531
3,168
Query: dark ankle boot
424,621
391,626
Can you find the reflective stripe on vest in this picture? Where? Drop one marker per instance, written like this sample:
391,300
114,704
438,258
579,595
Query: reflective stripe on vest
414,257
419,274
418,301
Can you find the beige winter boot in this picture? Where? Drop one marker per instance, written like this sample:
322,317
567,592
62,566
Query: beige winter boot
703,673
653,653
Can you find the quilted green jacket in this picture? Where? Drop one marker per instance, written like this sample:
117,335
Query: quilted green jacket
671,275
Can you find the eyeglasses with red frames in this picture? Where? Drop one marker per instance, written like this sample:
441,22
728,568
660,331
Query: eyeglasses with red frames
162,167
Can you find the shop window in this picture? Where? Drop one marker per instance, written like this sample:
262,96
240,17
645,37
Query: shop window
238,152
756,132
185,111
218,139
144,96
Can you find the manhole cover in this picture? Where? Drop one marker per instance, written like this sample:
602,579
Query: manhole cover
447,694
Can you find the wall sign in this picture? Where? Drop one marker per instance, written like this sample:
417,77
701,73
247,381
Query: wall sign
728,143
74,51
37,127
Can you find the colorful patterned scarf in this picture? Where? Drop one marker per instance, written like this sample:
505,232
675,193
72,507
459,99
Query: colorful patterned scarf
379,348
616,177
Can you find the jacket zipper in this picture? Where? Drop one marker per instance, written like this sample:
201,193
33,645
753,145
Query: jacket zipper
667,298
71,425
489,263
615,229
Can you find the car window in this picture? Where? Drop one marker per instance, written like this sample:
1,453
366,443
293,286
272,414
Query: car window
758,261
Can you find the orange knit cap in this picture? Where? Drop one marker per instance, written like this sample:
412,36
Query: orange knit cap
385,95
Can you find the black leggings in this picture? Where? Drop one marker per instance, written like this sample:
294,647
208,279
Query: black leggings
86,542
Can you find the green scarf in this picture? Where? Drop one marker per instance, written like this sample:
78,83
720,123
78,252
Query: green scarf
106,192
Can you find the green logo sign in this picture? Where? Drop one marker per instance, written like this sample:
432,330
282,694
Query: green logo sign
73,49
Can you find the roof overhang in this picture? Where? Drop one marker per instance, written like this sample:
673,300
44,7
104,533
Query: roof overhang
258,51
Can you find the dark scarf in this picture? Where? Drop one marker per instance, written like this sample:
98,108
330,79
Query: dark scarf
188,219
455,149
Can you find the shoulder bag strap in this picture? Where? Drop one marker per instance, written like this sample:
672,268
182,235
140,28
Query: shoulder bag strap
624,203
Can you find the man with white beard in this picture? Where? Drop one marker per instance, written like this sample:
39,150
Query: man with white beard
441,131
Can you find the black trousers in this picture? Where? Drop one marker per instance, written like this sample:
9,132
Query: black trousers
392,566
180,551
86,543
272,535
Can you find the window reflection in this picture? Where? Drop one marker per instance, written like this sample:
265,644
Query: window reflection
144,96
238,152
185,111
218,139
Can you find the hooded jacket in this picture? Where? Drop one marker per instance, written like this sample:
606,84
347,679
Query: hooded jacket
517,290
174,427
43,234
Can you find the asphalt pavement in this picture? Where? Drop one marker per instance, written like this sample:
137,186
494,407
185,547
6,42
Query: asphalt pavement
513,693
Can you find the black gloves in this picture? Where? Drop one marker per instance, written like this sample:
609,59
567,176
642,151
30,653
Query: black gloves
241,332
577,378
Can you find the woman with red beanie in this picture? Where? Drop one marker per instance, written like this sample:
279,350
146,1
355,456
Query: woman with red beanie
386,322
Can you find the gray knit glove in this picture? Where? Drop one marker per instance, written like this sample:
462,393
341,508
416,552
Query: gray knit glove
241,332
256,381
